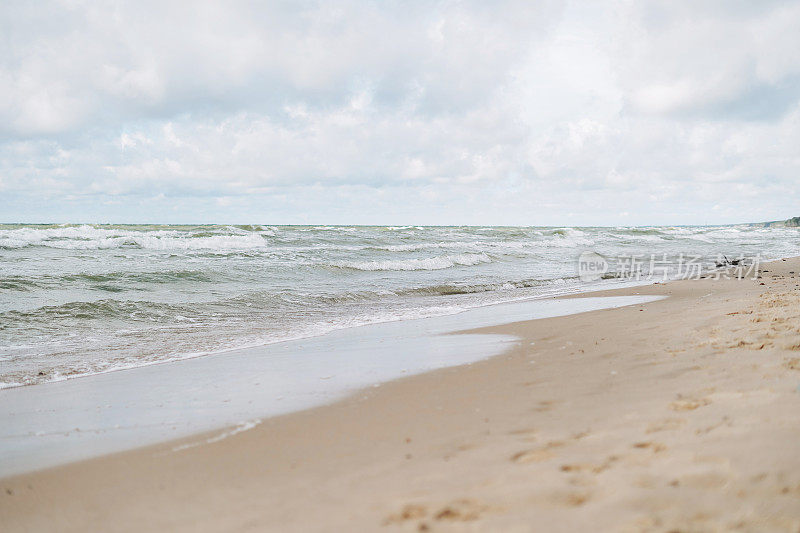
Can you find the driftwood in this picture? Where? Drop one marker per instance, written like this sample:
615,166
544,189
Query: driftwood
729,262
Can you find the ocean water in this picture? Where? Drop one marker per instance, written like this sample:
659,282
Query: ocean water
84,299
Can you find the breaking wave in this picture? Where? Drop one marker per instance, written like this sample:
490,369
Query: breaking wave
94,238
429,263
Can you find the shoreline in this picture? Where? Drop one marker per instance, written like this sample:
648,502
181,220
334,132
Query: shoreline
57,423
569,425
183,357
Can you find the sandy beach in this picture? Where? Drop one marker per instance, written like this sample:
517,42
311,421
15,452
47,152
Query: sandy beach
675,415
400,266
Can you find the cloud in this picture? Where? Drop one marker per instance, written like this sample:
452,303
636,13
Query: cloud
714,60
382,112
74,65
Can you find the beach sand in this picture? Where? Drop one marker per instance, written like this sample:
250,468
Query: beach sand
678,415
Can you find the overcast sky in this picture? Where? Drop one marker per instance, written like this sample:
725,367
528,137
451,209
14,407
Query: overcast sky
546,113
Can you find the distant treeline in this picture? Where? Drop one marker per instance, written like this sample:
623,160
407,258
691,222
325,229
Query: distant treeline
793,222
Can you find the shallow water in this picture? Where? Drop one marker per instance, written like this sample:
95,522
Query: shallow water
53,423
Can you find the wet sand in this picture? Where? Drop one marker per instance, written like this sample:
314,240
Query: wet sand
675,415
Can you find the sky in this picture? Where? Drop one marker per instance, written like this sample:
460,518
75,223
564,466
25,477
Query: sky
420,112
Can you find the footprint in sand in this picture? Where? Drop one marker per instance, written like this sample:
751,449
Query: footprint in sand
589,467
724,422
527,435
463,510
689,405
532,456
668,424
411,511
753,345
537,454
570,499
655,447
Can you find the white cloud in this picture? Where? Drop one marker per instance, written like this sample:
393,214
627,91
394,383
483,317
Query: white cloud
438,112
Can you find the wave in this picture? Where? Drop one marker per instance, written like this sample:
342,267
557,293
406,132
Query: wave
167,276
254,228
637,236
436,289
94,238
450,289
96,310
110,281
472,246
644,230
430,263
526,247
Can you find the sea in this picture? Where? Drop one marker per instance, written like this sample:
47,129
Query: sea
77,300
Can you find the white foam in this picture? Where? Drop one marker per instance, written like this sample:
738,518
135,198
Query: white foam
431,263
241,427
92,238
